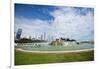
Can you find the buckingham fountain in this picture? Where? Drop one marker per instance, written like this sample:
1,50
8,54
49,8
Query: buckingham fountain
55,45
57,42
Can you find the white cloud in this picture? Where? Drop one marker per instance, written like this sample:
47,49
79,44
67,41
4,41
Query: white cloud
67,23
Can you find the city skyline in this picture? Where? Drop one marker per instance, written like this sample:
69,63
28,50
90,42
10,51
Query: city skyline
43,36
58,21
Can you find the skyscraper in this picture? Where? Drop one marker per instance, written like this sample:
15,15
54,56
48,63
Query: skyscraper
44,36
18,34
14,35
41,37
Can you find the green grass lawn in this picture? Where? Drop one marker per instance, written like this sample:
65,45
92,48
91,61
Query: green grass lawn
25,58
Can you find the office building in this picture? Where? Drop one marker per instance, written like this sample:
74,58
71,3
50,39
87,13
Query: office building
18,34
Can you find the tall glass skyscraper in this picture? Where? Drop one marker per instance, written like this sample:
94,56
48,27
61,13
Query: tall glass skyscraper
18,34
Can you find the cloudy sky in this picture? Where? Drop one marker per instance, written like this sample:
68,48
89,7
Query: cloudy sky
58,21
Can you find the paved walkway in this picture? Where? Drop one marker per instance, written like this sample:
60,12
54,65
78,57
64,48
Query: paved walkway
84,50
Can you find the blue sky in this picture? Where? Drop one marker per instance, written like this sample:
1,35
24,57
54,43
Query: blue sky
57,21
34,11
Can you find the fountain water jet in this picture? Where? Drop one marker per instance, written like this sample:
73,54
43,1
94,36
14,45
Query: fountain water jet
57,42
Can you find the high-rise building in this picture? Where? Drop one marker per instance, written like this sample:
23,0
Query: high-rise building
41,37
18,34
14,35
30,37
44,36
52,38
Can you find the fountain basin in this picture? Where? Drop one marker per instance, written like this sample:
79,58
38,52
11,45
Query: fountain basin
46,47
